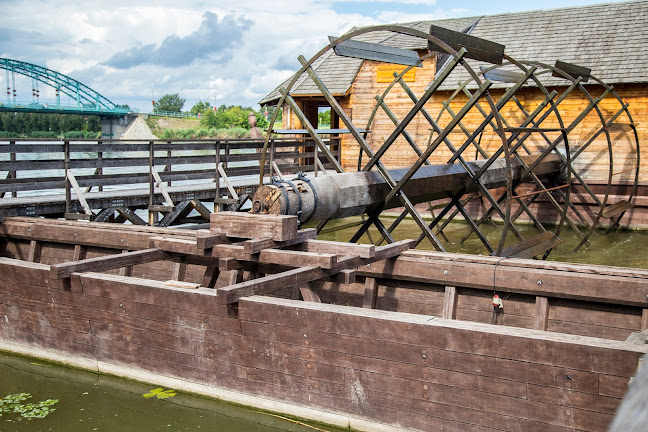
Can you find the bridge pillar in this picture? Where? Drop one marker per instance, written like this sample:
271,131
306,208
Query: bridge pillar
114,127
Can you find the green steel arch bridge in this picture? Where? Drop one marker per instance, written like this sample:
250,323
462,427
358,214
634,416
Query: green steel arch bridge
87,100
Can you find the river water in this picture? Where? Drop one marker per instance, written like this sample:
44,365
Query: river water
94,402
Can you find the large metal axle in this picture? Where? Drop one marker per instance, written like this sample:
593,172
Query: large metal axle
352,194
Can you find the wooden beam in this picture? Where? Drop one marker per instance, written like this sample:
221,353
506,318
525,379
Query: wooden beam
257,245
34,253
450,303
79,253
476,48
206,239
235,276
339,248
248,225
309,294
210,276
126,271
541,321
177,245
644,319
297,258
370,293
392,250
179,270
601,284
375,51
269,284
347,277
235,250
64,270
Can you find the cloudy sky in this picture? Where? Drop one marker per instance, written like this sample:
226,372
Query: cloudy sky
225,52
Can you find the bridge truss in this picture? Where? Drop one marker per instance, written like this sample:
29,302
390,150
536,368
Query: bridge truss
88,101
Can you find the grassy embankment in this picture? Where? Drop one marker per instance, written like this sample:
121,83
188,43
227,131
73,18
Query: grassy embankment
179,128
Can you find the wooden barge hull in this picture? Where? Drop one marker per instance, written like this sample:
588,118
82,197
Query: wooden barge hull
420,355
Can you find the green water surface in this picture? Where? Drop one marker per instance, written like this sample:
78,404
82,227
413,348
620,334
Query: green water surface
93,402
624,248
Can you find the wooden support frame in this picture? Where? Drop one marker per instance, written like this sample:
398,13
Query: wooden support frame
64,270
370,293
450,303
541,320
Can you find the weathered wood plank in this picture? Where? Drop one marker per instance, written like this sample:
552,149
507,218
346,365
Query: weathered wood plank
297,258
268,284
64,270
370,293
35,249
309,294
541,320
177,245
206,239
553,283
248,225
339,248
450,303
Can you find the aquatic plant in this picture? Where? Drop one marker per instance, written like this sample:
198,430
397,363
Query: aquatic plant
160,393
13,404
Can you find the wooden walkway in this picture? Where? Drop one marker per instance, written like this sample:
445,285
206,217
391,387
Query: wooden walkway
108,181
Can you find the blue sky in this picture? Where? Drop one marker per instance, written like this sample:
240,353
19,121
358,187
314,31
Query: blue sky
221,51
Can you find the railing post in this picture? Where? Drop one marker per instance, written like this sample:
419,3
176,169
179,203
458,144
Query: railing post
12,174
100,168
153,216
272,157
167,167
315,160
217,205
66,167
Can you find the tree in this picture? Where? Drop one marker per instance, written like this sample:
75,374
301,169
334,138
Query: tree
200,107
324,119
170,102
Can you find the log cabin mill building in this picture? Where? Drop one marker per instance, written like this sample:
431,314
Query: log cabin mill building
607,38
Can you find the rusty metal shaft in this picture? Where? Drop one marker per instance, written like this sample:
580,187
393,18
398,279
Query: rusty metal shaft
352,194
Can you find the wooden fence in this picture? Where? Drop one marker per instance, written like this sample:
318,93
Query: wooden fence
79,168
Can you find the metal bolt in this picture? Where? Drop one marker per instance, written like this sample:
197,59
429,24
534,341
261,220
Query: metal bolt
568,377
646,296
120,305
305,335
424,356
445,272
539,282
369,265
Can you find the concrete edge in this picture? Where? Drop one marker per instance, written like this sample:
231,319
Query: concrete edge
141,375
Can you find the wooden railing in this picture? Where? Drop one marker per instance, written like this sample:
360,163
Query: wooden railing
28,166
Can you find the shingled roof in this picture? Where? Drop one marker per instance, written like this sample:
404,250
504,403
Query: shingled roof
608,38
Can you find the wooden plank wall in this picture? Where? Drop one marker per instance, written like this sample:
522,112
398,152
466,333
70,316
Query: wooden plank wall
615,322
361,101
414,372
399,295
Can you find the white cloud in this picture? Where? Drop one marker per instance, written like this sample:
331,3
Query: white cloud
233,52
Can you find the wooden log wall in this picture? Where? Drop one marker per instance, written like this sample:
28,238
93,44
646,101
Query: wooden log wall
411,372
361,101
